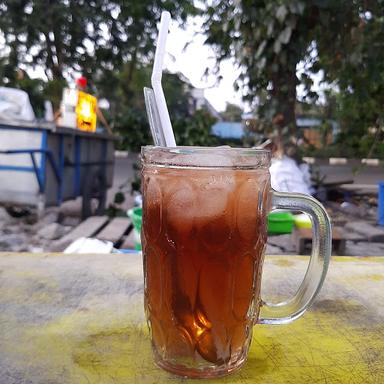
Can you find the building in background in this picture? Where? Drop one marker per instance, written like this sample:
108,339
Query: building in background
228,130
317,131
198,101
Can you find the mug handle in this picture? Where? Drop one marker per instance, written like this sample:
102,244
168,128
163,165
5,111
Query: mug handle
293,308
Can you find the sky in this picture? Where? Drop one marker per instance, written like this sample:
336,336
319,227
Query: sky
193,61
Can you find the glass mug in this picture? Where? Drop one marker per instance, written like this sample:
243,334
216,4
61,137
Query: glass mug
204,234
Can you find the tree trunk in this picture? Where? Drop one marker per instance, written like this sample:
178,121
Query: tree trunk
132,65
59,54
54,54
284,92
50,64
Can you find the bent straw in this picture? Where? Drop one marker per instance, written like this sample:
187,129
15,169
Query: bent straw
154,118
156,81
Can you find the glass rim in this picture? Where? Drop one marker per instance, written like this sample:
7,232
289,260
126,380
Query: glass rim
201,157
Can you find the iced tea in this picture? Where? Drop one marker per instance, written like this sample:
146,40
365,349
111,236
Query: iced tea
204,234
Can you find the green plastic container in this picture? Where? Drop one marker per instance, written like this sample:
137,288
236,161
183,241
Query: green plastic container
302,221
136,215
280,223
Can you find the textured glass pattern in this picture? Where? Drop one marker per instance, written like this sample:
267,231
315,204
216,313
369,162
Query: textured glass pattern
204,234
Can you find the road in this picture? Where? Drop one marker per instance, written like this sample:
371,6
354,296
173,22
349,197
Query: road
365,175
368,176
365,179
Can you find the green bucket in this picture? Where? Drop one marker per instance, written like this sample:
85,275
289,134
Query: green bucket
280,223
136,215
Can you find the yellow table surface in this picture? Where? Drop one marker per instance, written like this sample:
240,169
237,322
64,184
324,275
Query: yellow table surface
79,319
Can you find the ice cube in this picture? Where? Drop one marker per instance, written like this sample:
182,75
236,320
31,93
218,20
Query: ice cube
180,201
216,208
152,208
243,285
247,215
195,158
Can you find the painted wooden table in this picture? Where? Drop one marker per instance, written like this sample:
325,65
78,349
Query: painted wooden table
79,319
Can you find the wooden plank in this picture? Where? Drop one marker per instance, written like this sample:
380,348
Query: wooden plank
370,232
129,241
87,228
306,233
303,237
115,229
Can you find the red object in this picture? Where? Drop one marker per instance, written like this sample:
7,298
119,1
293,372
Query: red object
81,82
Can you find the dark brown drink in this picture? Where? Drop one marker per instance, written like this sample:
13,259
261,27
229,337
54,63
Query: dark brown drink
204,234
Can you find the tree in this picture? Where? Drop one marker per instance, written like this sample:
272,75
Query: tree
130,117
104,40
38,90
62,36
360,79
269,39
127,103
122,92
195,129
232,113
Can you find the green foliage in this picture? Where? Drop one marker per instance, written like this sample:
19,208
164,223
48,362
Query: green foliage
132,126
128,109
195,129
85,36
119,198
232,113
38,90
110,42
190,129
53,91
178,95
35,90
358,71
269,39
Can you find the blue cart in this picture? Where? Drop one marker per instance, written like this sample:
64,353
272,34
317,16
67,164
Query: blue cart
44,165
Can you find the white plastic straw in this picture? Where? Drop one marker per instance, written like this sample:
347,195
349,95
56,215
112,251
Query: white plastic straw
156,80
154,118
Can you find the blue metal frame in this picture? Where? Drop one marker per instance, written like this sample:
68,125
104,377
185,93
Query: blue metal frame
16,168
61,170
77,173
42,169
58,164
380,208
38,170
40,179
